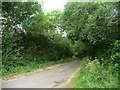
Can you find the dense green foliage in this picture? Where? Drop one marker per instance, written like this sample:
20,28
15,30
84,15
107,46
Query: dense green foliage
94,28
94,25
31,37
94,75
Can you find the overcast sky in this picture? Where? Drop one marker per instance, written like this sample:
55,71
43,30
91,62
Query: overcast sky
50,5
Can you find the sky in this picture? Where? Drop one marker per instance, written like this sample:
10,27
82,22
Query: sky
50,5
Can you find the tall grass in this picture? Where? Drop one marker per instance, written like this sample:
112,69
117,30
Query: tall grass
31,67
93,75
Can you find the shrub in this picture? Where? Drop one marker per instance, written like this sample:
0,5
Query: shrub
94,75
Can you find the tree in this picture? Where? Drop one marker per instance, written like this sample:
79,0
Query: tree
94,25
15,15
75,17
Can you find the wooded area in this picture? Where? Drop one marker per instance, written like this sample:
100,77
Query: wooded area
30,37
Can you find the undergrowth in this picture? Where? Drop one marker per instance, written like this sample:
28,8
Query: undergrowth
31,67
93,75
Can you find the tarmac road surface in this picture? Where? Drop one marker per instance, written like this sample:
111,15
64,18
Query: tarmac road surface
49,78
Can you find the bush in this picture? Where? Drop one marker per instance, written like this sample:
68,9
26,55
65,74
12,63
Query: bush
94,75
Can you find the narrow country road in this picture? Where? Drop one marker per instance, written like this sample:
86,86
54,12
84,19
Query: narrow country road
48,78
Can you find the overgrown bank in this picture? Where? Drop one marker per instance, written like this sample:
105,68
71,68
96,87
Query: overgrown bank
92,74
33,66
94,29
29,38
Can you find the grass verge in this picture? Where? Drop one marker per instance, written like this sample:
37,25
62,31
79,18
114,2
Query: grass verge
93,75
29,68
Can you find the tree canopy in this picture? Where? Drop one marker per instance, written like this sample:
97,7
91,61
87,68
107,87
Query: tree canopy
30,36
